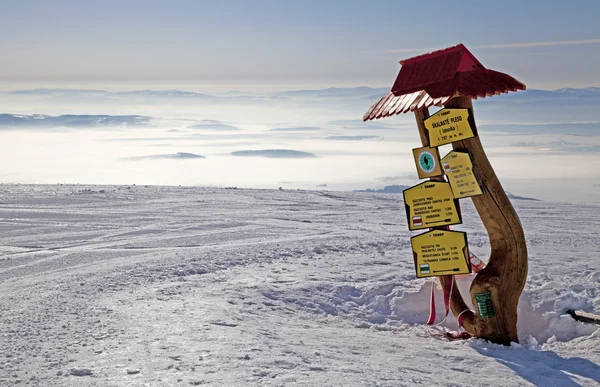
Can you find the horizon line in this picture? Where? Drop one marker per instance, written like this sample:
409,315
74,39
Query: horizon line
238,91
504,45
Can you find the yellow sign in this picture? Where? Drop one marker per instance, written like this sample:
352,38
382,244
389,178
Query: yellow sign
431,204
448,125
441,252
428,162
459,169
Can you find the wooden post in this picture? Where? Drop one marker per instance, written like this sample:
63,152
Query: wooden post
495,291
421,115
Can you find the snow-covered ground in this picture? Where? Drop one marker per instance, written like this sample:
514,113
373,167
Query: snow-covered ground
161,286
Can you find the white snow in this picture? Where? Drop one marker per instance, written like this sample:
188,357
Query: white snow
161,286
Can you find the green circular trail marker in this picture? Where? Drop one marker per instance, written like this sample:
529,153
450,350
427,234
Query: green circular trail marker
426,162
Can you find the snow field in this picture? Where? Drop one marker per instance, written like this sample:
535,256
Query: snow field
161,286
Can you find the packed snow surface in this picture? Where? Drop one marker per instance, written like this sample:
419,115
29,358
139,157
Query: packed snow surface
174,286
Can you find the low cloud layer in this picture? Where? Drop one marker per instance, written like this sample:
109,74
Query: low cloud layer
214,125
274,153
351,138
297,129
574,128
556,134
173,156
560,146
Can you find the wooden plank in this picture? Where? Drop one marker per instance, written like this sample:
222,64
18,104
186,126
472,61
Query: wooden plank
380,109
585,317
375,108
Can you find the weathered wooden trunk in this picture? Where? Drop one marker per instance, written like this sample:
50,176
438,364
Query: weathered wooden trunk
496,289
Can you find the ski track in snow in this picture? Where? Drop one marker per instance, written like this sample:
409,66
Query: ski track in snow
170,286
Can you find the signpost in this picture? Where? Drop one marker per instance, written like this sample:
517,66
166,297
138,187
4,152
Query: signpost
451,78
431,204
441,252
459,169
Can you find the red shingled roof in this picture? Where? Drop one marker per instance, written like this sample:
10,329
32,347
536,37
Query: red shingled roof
434,78
390,105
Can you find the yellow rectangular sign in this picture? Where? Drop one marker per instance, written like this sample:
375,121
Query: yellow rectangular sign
431,204
459,169
428,162
441,252
448,125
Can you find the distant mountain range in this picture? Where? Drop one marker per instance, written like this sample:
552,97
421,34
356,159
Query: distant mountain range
70,121
562,111
588,94
585,95
142,93
334,92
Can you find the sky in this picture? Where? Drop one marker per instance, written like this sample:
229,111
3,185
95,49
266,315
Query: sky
270,44
263,46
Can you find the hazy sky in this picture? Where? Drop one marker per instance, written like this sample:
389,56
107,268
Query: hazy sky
237,44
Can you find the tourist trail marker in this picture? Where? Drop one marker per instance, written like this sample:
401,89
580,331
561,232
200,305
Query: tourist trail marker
448,126
441,252
431,204
459,169
452,78
428,162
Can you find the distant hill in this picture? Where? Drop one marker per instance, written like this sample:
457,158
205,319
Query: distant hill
511,196
399,188
172,156
387,189
214,125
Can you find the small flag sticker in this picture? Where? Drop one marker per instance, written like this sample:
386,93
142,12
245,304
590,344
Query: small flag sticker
417,221
447,167
424,268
